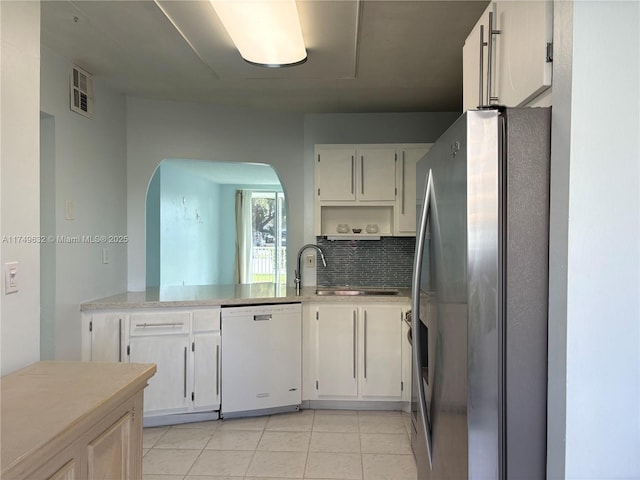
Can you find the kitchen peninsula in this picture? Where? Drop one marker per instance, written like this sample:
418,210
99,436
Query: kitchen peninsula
344,348
217,295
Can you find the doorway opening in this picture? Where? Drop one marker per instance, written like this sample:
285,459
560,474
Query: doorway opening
215,223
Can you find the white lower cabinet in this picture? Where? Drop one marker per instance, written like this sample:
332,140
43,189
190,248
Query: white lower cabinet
103,336
167,390
206,371
336,338
184,343
354,352
381,347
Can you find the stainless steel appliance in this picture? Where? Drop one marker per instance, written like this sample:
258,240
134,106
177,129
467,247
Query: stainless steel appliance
479,298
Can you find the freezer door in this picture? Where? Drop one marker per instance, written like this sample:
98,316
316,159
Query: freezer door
441,308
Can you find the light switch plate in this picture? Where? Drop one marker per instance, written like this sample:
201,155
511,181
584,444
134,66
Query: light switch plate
69,210
10,277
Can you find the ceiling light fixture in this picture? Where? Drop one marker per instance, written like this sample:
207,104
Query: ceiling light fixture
265,32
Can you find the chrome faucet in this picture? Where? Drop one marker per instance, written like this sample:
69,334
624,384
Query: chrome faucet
298,279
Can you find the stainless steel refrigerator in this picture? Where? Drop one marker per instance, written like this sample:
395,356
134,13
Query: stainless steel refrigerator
479,298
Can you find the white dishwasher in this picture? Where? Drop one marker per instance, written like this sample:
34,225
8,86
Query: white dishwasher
261,359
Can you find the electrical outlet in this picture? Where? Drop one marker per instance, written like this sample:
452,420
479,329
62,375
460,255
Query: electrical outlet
310,260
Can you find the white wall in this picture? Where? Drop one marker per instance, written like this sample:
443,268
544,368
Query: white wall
594,313
19,184
90,171
158,130
189,227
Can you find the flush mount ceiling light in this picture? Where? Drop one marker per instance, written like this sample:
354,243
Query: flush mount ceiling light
265,32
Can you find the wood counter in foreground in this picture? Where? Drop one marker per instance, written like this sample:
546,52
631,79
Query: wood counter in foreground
73,420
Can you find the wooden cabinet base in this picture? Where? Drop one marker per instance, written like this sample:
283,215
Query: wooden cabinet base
73,420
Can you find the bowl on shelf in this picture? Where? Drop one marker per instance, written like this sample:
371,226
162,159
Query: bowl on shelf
342,228
356,230
371,228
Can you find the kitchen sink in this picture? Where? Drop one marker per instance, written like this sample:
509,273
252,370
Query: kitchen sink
356,291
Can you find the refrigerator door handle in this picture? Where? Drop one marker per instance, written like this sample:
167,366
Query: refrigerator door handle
415,313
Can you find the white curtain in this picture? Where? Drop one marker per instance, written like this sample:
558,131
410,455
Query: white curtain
243,237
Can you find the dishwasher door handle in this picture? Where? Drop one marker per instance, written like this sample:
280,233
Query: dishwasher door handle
262,318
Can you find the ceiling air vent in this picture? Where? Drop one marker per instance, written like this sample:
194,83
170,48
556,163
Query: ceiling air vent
81,92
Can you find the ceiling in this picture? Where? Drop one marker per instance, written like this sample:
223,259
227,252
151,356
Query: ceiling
363,55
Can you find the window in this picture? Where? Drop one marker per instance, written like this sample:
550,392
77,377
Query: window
268,231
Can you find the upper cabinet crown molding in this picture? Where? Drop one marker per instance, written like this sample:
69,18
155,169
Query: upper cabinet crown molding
507,56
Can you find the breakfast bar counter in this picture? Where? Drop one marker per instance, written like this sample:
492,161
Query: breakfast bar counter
233,295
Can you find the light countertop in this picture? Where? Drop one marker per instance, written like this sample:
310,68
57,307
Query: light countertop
229,295
43,402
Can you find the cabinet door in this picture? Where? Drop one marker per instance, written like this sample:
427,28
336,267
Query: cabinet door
335,174
167,390
406,201
67,472
107,336
522,69
336,362
206,371
108,456
376,174
381,372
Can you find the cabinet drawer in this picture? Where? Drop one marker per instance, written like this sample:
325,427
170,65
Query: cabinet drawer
159,323
206,320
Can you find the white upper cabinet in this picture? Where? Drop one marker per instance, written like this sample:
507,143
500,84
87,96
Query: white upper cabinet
377,170
475,63
335,174
349,174
507,56
406,202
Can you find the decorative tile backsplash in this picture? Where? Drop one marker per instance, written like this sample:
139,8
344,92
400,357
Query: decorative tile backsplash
387,262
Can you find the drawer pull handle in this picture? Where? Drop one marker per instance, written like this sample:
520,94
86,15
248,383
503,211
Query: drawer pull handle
172,324
262,318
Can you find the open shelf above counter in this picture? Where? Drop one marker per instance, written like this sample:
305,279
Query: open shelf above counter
329,217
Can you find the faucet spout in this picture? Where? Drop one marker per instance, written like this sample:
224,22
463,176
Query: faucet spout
298,273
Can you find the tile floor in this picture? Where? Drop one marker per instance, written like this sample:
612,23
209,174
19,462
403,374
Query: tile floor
310,444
